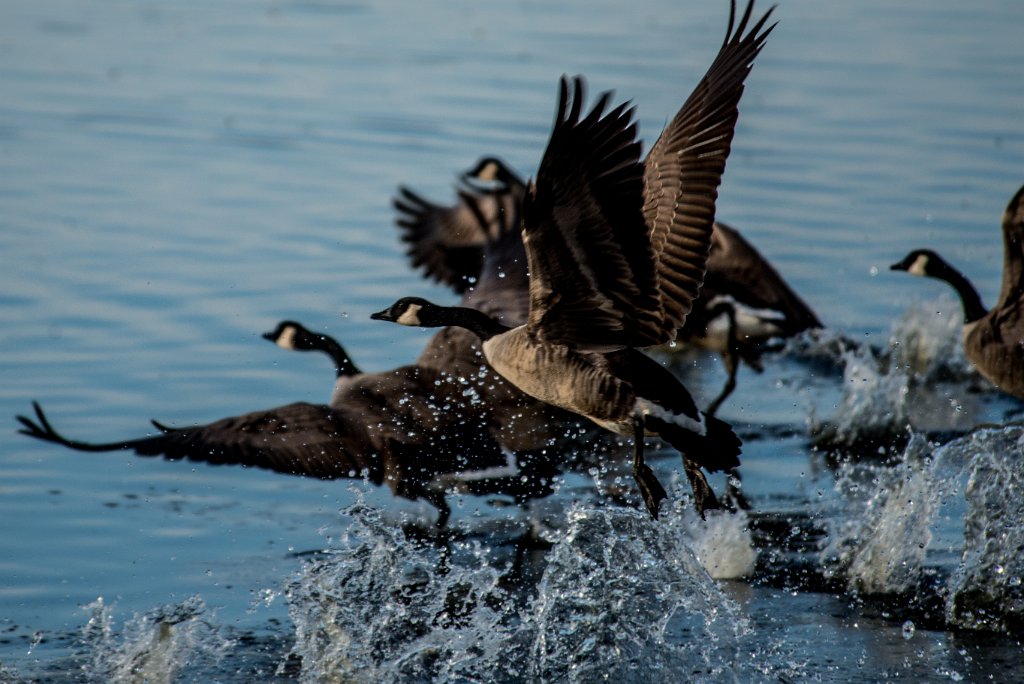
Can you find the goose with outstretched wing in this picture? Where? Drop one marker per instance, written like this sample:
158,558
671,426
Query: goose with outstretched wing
617,252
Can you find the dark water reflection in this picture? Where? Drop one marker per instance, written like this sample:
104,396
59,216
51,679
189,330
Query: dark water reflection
176,178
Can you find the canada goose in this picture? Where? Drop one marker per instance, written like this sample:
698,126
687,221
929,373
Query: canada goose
295,336
383,428
418,428
743,303
993,340
614,267
448,242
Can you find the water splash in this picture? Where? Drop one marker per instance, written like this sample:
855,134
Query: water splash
385,609
880,542
873,412
901,521
161,645
620,597
624,600
926,343
987,589
921,380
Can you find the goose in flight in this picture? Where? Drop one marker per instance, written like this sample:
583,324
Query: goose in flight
743,304
616,252
993,339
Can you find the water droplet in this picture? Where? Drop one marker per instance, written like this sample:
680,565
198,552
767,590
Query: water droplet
908,629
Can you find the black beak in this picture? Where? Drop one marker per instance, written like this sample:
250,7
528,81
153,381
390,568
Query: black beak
384,315
268,336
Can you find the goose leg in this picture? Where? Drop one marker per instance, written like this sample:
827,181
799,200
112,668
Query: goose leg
731,360
436,498
650,488
703,496
735,499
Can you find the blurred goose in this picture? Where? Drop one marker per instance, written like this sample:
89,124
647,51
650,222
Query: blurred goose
744,303
993,340
448,242
294,336
616,256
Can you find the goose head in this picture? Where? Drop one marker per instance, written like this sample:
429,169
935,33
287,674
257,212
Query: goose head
292,335
414,311
492,171
923,262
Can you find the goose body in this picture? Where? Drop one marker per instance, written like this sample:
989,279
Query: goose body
764,303
993,339
744,304
616,252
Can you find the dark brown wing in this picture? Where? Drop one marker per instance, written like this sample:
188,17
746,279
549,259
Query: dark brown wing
684,168
447,243
592,279
441,240
297,439
737,270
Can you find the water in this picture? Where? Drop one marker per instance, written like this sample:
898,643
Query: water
177,178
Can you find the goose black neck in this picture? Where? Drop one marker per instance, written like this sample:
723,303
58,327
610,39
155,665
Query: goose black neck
973,308
477,322
342,363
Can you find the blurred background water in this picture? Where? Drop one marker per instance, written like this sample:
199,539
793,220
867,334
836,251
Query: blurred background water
177,177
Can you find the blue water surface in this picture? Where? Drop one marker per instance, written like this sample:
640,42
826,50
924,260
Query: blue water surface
177,177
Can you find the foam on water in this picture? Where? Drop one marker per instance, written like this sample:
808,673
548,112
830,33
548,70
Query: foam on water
722,543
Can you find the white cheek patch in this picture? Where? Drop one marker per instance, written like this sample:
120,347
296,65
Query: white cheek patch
489,172
411,316
918,267
286,340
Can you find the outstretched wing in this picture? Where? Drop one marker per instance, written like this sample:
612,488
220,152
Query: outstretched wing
684,168
297,439
592,278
